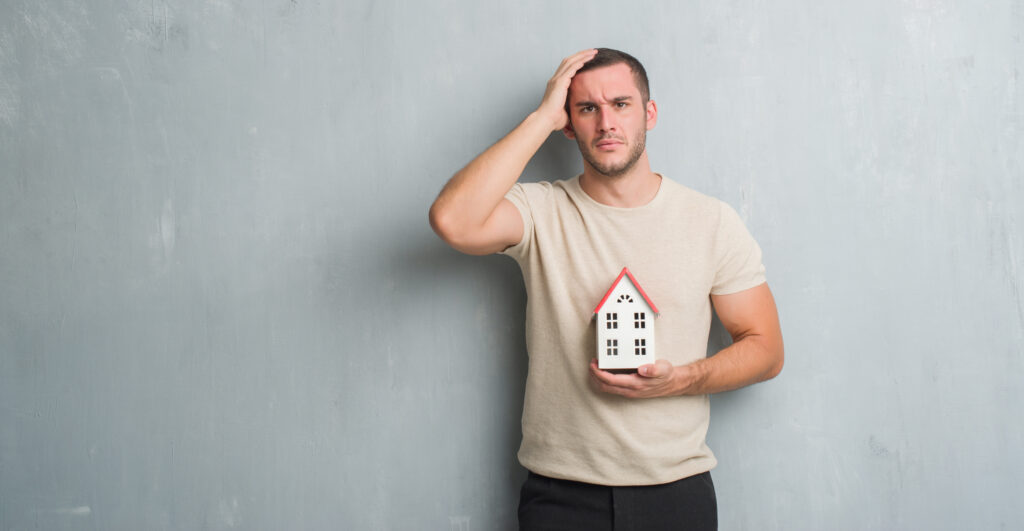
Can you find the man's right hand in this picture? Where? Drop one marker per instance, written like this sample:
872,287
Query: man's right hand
552,107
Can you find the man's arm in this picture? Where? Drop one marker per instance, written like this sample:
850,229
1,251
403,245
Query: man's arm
471,212
756,354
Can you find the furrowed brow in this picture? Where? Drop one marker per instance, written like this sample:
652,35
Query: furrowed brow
594,104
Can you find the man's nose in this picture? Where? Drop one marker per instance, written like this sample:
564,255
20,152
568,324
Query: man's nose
606,121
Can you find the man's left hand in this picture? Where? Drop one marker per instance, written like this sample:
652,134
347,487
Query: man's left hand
660,378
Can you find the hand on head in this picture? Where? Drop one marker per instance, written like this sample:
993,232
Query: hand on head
552,107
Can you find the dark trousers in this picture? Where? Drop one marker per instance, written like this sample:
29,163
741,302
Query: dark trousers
548,504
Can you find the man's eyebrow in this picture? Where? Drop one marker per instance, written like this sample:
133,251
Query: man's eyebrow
593,104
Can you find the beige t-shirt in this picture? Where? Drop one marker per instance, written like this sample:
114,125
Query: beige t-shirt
681,247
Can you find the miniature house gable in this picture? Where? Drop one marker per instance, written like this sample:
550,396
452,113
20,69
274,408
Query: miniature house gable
625,325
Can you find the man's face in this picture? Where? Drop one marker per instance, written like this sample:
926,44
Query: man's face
609,119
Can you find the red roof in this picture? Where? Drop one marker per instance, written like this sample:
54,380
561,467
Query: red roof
625,272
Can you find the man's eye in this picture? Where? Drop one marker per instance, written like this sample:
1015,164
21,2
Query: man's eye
620,104
587,108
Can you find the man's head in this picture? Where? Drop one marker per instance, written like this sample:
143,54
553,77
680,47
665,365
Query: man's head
609,57
610,111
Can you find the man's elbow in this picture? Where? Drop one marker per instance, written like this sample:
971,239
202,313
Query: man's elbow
453,232
443,225
439,221
778,360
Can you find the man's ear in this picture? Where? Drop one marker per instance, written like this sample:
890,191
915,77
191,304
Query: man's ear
568,131
652,114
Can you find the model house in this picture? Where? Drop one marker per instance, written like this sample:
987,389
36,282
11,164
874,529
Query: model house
625,325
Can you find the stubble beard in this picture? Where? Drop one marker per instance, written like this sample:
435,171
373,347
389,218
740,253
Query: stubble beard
611,170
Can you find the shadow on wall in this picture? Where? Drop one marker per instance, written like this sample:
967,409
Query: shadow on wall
457,337
493,287
557,159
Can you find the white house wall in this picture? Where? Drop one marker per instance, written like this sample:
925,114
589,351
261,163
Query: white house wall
625,333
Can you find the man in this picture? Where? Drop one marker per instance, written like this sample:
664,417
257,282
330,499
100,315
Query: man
615,451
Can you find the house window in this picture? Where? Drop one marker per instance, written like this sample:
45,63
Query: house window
640,347
612,320
613,347
625,298
639,320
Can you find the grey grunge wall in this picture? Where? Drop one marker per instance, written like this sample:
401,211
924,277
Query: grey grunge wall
221,306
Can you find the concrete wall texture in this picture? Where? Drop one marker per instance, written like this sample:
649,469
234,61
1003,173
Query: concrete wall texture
221,306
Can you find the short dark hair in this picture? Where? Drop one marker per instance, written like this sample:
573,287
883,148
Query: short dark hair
609,57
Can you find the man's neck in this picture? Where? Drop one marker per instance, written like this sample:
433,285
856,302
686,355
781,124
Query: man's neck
635,188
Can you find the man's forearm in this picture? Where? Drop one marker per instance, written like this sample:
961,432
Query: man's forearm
749,360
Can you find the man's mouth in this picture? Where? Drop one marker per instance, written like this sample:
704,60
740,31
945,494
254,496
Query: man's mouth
608,143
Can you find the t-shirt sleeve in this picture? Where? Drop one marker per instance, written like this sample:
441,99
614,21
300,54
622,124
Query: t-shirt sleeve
737,256
519,197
